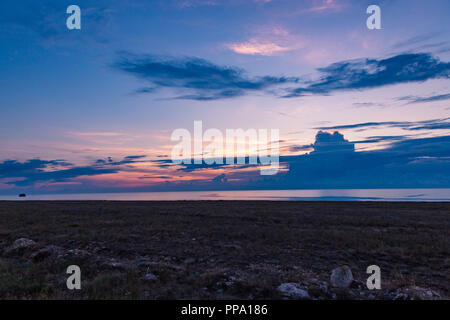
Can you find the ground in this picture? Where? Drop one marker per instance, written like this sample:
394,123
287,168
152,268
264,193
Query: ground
222,249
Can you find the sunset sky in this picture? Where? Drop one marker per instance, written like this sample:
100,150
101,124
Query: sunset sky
92,110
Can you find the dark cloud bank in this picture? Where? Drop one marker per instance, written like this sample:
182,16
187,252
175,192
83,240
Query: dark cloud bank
28,173
332,163
200,79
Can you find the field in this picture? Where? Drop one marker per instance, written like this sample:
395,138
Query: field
222,249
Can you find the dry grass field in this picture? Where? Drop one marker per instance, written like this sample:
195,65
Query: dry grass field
221,249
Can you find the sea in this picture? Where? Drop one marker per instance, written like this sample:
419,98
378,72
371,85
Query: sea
435,195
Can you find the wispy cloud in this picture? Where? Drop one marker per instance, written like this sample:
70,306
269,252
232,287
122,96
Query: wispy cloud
33,171
324,5
416,99
368,104
268,41
321,6
201,78
434,124
373,73
416,40
257,47
96,134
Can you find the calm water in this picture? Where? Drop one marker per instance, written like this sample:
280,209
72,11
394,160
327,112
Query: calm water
287,195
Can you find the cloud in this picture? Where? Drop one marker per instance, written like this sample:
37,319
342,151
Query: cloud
415,40
96,134
204,79
13,168
324,5
436,147
297,148
415,99
146,90
378,139
320,7
327,142
224,94
156,177
199,79
406,125
332,163
31,171
191,167
411,163
269,41
220,178
368,104
257,47
372,73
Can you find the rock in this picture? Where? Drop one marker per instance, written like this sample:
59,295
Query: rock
78,253
293,291
324,286
23,243
416,293
341,277
46,252
113,264
19,246
150,277
402,296
230,281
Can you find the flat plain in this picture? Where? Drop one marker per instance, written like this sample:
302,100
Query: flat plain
222,249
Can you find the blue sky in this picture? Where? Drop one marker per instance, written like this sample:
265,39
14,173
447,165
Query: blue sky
92,110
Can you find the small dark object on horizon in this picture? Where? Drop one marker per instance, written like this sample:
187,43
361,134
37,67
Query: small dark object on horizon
22,195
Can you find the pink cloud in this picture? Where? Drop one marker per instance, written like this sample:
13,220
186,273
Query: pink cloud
323,5
257,47
268,42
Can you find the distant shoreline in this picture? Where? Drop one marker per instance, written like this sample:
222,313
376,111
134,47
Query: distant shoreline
389,195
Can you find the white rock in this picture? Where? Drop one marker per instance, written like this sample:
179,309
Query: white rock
19,245
150,277
341,277
23,243
293,291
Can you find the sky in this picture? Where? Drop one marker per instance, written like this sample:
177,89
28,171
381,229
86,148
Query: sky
93,110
